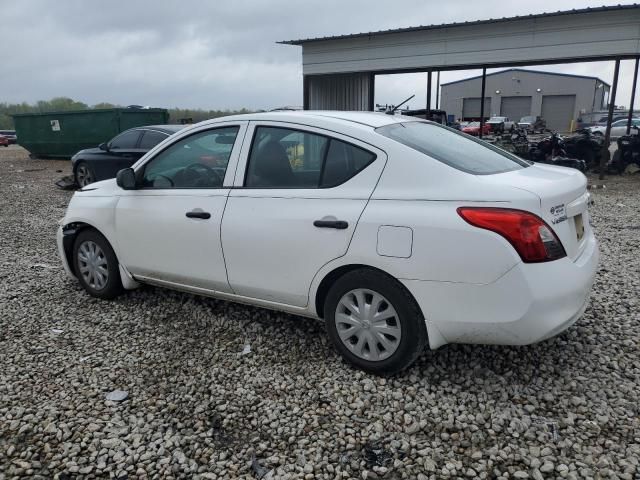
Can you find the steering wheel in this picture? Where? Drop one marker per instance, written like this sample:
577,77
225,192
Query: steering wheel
199,168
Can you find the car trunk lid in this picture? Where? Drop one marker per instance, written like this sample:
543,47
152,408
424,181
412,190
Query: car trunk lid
563,200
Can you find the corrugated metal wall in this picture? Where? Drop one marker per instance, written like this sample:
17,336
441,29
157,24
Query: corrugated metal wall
567,37
340,92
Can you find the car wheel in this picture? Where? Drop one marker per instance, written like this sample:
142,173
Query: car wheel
96,265
374,323
84,174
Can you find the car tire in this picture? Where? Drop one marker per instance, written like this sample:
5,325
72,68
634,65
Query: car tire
96,265
384,353
84,174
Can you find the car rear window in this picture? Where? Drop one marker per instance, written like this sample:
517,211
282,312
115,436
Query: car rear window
453,148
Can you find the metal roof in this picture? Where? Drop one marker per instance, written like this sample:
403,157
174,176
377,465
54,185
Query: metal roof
528,71
575,11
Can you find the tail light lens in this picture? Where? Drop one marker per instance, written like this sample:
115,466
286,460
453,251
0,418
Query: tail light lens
532,238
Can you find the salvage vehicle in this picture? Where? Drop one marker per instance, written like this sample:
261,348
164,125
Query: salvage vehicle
473,128
437,116
94,164
500,124
4,141
397,232
584,145
533,124
618,128
551,150
628,152
10,135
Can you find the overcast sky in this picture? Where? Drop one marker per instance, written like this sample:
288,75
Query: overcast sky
218,54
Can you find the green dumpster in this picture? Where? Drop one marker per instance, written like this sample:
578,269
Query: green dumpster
62,134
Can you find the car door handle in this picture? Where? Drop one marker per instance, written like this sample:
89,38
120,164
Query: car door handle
337,224
198,214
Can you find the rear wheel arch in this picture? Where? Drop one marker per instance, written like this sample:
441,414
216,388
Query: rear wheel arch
330,278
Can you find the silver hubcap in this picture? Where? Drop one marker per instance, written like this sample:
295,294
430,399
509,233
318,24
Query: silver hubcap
84,176
93,265
368,325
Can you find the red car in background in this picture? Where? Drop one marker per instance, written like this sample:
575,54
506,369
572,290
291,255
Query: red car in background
4,141
474,129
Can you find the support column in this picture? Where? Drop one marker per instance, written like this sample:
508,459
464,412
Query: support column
484,84
427,115
438,91
633,95
372,92
305,92
612,104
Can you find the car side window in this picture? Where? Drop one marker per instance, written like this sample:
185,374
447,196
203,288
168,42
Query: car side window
197,161
126,140
285,158
151,138
343,162
289,158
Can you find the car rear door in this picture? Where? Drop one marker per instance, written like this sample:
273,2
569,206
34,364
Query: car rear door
297,197
168,229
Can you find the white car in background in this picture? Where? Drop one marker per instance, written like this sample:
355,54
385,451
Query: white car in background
398,232
618,128
500,124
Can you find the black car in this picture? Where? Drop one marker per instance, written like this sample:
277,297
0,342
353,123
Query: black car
94,164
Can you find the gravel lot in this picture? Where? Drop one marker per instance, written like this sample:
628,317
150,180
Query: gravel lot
196,408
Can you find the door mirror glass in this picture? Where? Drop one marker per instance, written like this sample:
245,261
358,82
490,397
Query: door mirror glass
126,179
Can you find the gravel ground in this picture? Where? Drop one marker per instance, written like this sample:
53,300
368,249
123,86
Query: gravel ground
196,408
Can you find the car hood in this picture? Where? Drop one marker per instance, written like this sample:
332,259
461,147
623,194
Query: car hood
104,188
89,151
85,152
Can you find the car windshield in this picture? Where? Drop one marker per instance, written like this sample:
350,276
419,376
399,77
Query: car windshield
452,148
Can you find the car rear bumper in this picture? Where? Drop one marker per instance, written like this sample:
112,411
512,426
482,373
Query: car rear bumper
528,304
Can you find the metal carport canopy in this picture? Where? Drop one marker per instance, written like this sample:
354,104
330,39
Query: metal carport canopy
587,34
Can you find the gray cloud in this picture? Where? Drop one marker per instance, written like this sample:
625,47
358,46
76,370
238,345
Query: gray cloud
213,54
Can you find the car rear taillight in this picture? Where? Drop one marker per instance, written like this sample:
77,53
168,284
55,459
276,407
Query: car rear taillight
532,238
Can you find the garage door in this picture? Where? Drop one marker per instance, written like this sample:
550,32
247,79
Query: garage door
471,108
557,111
515,107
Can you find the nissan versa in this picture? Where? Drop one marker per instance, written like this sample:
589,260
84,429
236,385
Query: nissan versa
398,232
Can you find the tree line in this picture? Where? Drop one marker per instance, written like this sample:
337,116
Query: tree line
59,104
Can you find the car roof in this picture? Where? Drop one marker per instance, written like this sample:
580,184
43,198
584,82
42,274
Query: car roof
162,128
369,119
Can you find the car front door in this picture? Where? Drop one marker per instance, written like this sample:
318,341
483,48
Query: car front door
296,201
125,148
168,229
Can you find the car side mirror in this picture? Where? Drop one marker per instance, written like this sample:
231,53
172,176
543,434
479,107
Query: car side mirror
104,146
126,179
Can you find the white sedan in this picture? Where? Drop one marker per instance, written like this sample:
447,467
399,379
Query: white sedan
398,232
618,128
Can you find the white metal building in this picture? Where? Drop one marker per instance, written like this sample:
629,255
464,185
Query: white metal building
558,98
339,71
